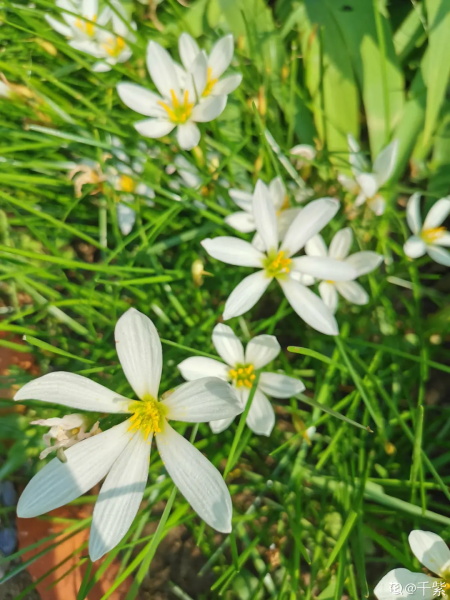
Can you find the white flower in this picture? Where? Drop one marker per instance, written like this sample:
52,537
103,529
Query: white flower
363,262
178,105
431,550
122,453
244,221
278,261
239,369
113,44
217,63
66,431
304,154
431,236
365,185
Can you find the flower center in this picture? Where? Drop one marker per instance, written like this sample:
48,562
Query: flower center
277,264
126,183
114,46
430,236
243,375
148,416
210,83
179,112
85,26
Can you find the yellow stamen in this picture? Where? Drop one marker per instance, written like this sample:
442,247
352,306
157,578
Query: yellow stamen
179,112
430,236
277,264
148,416
242,375
126,183
114,46
85,26
210,83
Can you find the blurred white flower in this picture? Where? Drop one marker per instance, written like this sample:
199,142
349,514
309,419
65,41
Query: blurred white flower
365,184
363,262
121,454
239,368
180,103
278,261
66,432
431,236
216,64
304,154
431,550
244,221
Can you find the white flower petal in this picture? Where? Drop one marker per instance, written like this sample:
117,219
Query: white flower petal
341,243
76,391
414,247
413,213
227,85
277,192
188,49
437,214
196,367
243,199
140,100
444,240
233,251
241,221
348,183
316,246
209,109
440,255
154,128
356,158
202,400
221,55
431,550
285,218
353,292
261,350
404,585
261,416
196,478
246,294
229,347
308,223
368,184
279,385
385,162
265,216
88,46
58,26
309,307
87,463
162,70
139,349
120,496
329,295
89,9
377,204
126,217
323,267
197,78
188,136
220,425
364,262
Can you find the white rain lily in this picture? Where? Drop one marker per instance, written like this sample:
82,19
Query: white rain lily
66,432
239,368
363,262
365,185
278,261
244,220
180,103
217,63
122,453
114,45
431,236
431,550
304,154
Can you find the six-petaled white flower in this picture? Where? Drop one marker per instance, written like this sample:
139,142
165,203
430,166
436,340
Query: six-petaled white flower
122,453
431,550
278,261
363,262
180,103
365,184
431,236
239,368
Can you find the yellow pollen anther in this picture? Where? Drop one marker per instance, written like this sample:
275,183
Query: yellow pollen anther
429,236
126,183
179,112
148,416
242,375
277,264
85,26
210,83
